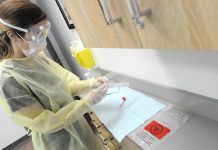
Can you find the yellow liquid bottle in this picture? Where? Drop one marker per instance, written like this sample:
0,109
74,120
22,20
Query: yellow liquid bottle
84,58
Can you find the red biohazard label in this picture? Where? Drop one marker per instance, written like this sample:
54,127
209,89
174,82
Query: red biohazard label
157,130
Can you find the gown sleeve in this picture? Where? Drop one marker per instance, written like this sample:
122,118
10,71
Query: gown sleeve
71,80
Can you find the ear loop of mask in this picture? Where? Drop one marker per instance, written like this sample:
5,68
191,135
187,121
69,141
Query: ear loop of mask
22,39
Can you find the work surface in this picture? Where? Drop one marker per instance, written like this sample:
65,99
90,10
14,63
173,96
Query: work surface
199,133
121,120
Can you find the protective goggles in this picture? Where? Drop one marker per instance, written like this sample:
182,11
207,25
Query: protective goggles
36,33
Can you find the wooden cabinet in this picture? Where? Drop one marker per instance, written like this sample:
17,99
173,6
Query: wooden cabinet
92,26
177,24
180,24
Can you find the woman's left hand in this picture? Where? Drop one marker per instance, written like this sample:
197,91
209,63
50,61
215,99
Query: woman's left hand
98,81
102,80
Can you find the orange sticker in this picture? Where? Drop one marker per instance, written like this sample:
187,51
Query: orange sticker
157,130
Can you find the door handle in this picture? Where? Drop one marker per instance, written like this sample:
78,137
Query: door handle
136,13
107,14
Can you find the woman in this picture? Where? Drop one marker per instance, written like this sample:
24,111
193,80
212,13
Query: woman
34,90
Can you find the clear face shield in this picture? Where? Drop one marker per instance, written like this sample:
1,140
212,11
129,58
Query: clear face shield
35,36
37,33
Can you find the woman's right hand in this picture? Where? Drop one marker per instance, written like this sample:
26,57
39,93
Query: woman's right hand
97,94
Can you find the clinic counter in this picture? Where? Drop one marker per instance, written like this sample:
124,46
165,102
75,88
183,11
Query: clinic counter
199,133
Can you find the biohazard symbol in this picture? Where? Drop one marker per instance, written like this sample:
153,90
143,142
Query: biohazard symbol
157,130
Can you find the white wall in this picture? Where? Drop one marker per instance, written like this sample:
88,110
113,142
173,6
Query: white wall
193,71
9,132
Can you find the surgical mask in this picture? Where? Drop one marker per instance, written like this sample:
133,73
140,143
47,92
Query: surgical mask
35,37
34,47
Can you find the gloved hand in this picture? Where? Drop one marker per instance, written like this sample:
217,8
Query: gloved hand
96,95
99,81
102,79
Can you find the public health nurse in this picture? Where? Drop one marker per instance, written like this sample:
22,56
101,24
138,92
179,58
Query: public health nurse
35,91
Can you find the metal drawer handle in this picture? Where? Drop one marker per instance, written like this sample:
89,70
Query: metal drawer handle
107,14
136,13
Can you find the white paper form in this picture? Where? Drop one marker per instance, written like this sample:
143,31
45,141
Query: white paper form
136,110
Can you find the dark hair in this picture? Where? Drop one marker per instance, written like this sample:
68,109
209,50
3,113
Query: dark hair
21,13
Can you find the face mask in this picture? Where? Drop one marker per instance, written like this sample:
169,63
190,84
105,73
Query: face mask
34,48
